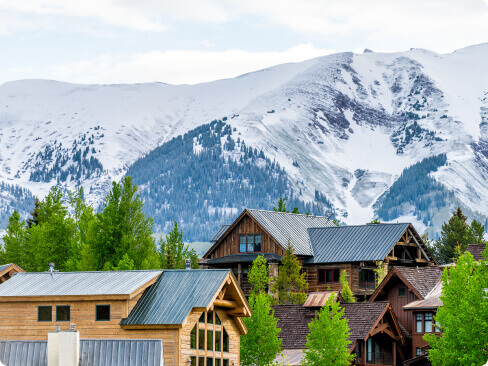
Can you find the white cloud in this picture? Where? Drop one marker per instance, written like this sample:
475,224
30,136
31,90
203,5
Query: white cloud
174,66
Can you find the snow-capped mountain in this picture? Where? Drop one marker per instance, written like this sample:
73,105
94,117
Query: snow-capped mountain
346,125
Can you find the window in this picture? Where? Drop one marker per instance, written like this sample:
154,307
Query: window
44,313
193,361
102,313
329,275
418,351
193,338
358,351
418,322
202,318
369,350
225,343
210,317
210,340
218,362
209,361
217,319
366,279
225,362
201,339
63,313
201,361
249,243
402,291
218,341
428,323
378,351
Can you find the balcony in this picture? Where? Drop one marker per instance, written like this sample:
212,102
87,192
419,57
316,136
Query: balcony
368,285
382,358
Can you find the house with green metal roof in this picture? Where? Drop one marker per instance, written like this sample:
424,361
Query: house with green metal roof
324,249
191,317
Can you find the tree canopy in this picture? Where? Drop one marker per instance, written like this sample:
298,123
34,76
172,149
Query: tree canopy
173,252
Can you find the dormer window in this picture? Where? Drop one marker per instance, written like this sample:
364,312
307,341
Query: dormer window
249,243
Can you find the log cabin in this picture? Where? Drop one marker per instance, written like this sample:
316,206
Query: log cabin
8,270
375,337
324,249
405,288
195,314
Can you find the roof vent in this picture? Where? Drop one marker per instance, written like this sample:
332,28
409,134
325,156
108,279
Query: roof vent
51,267
188,263
72,327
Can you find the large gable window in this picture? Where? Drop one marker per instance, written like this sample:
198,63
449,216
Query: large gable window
249,243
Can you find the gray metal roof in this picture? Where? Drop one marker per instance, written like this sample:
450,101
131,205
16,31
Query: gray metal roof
76,283
354,243
22,353
93,352
286,227
242,258
171,298
219,233
120,352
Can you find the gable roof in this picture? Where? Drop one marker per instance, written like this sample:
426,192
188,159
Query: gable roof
354,243
318,299
174,294
476,250
431,301
243,258
420,280
284,227
6,268
293,321
76,283
219,233
93,352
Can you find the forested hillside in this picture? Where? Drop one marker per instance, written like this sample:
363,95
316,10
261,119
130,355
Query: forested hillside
204,179
14,197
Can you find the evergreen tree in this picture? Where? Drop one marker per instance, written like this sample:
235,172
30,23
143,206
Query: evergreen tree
463,317
281,206
125,264
13,250
346,290
123,228
34,214
173,251
261,345
290,284
258,276
327,343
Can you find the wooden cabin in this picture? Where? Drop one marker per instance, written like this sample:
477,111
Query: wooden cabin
375,337
324,249
404,288
196,314
8,270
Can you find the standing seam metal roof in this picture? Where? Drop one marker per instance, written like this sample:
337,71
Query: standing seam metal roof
174,294
286,227
76,283
22,353
243,258
219,233
354,243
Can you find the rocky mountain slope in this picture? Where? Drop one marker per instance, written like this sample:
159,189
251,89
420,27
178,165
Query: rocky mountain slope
342,127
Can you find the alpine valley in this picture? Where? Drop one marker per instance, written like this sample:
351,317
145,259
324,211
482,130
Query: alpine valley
394,136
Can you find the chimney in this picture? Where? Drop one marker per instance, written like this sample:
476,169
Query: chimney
188,263
51,267
63,347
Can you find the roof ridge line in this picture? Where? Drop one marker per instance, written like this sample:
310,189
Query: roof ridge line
287,213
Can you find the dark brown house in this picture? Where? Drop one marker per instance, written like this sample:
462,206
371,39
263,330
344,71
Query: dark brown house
375,337
404,288
324,249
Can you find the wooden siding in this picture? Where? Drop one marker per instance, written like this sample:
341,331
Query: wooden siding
18,321
397,303
229,244
227,323
312,276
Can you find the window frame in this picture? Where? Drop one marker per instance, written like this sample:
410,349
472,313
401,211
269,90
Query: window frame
45,306
419,319
324,276
63,306
429,321
404,291
96,313
246,243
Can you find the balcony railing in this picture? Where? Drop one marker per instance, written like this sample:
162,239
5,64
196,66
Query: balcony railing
367,285
381,358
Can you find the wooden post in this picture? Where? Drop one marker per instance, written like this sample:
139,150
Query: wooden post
239,273
394,353
365,357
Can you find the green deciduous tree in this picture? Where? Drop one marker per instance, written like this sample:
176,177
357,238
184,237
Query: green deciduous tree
290,284
125,264
173,251
346,290
463,318
261,345
13,250
327,343
258,276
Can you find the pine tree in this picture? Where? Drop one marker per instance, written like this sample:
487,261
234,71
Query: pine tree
173,251
125,264
290,284
327,343
261,344
34,214
281,206
346,290
258,276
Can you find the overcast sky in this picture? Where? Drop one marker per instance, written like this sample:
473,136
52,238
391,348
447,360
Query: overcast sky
191,41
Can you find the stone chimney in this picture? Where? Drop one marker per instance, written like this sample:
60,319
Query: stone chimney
63,347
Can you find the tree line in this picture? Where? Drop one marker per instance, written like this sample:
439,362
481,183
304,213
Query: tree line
67,231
